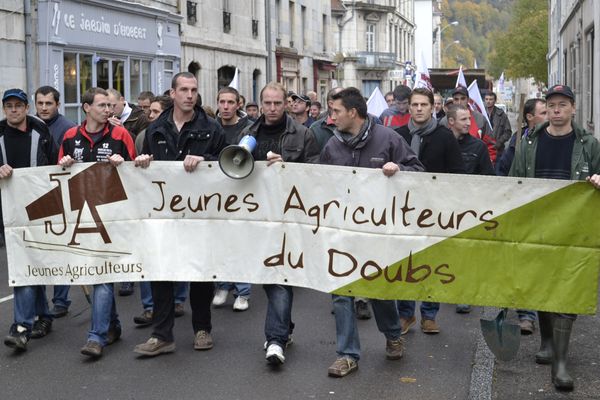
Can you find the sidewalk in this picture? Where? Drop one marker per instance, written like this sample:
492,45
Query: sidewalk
522,378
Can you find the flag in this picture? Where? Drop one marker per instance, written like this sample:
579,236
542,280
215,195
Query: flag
376,103
235,82
476,102
475,63
422,80
460,80
501,83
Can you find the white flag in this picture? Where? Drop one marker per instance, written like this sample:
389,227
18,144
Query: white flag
476,102
423,80
376,103
501,83
235,82
461,81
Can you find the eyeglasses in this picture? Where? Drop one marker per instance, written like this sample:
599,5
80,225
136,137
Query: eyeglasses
16,106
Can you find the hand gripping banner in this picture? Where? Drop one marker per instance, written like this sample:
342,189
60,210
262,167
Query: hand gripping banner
493,241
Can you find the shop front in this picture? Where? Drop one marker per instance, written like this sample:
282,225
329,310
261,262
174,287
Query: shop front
110,44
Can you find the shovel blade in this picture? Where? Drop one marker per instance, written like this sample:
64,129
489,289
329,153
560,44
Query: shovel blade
502,338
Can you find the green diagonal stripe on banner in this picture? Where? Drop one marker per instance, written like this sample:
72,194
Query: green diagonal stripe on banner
543,255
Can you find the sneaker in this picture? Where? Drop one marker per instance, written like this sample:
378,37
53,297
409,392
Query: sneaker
92,349
406,324
17,338
463,308
203,341
179,311
527,326
145,319
362,309
429,326
274,354
241,303
59,311
154,347
126,289
394,349
41,328
220,297
289,342
113,334
342,367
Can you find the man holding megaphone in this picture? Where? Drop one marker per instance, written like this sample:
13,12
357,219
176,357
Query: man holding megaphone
279,138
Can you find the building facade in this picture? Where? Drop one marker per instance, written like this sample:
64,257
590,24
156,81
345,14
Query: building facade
375,43
574,56
75,45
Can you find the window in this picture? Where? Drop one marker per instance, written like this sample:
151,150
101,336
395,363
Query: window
278,21
325,33
303,26
370,37
292,13
191,13
226,17
589,78
82,71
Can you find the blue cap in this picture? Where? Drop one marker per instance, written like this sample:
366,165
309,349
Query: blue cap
16,93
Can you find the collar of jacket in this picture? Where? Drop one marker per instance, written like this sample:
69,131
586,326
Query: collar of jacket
579,132
290,125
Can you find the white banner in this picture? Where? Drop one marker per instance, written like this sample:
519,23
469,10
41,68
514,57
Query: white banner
303,225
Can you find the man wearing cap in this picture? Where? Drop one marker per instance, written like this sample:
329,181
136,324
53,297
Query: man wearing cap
558,149
479,127
252,111
25,141
300,109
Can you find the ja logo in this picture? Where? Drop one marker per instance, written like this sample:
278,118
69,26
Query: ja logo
95,186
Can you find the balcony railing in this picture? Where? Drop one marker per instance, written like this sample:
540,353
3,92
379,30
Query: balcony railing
371,59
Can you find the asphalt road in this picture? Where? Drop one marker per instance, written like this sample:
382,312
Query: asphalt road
434,367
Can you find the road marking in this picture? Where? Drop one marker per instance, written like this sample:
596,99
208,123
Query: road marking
7,298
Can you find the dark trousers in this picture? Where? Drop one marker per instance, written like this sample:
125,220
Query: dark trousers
201,295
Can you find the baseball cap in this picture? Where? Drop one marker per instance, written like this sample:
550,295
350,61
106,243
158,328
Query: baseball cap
460,90
301,97
562,90
16,93
251,104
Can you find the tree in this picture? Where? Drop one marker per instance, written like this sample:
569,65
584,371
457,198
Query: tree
521,51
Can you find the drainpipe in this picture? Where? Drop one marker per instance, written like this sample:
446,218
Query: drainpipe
28,48
268,39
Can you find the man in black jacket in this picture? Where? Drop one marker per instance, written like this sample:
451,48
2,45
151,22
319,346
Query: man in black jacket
279,138
474,151
438,150
182,132
358,141
22,136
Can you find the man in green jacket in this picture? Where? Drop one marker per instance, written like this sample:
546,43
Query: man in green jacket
558,149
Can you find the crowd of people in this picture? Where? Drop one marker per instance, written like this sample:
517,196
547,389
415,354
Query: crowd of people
418,132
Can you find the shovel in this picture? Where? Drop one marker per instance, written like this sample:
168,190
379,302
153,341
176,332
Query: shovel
501,337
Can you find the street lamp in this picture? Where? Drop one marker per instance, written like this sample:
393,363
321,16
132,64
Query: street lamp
451,44
453,23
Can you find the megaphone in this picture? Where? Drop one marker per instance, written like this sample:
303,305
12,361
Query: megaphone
236,161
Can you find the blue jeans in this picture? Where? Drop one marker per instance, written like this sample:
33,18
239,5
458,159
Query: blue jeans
29,302
526,314
406,309
180,291
61,296
104,312
278,323
346,330
241,289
